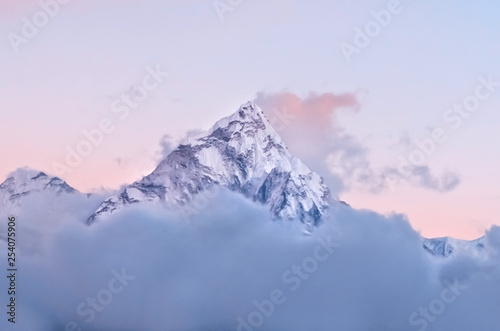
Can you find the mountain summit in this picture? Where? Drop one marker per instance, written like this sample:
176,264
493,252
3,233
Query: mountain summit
25,182
241,152
28,191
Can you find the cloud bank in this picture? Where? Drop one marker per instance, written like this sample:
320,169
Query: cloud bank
231,268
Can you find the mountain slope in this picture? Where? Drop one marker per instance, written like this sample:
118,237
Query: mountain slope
241,152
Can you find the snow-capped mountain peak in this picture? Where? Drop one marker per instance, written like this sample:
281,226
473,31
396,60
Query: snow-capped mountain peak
243,153
24,180
25,184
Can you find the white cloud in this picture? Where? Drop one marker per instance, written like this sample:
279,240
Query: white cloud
204,274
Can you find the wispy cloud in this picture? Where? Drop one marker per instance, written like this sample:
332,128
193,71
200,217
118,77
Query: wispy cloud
313,133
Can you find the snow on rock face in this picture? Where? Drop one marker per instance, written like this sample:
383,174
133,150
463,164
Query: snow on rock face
241,152
447,246
41,203
24,180
34,186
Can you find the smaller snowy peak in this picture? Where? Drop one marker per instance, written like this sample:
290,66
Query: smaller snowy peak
247,113
25,180
447,246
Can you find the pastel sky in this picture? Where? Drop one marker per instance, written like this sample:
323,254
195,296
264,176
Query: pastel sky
353,116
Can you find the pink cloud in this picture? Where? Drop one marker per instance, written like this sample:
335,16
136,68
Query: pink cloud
309,128
312,113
